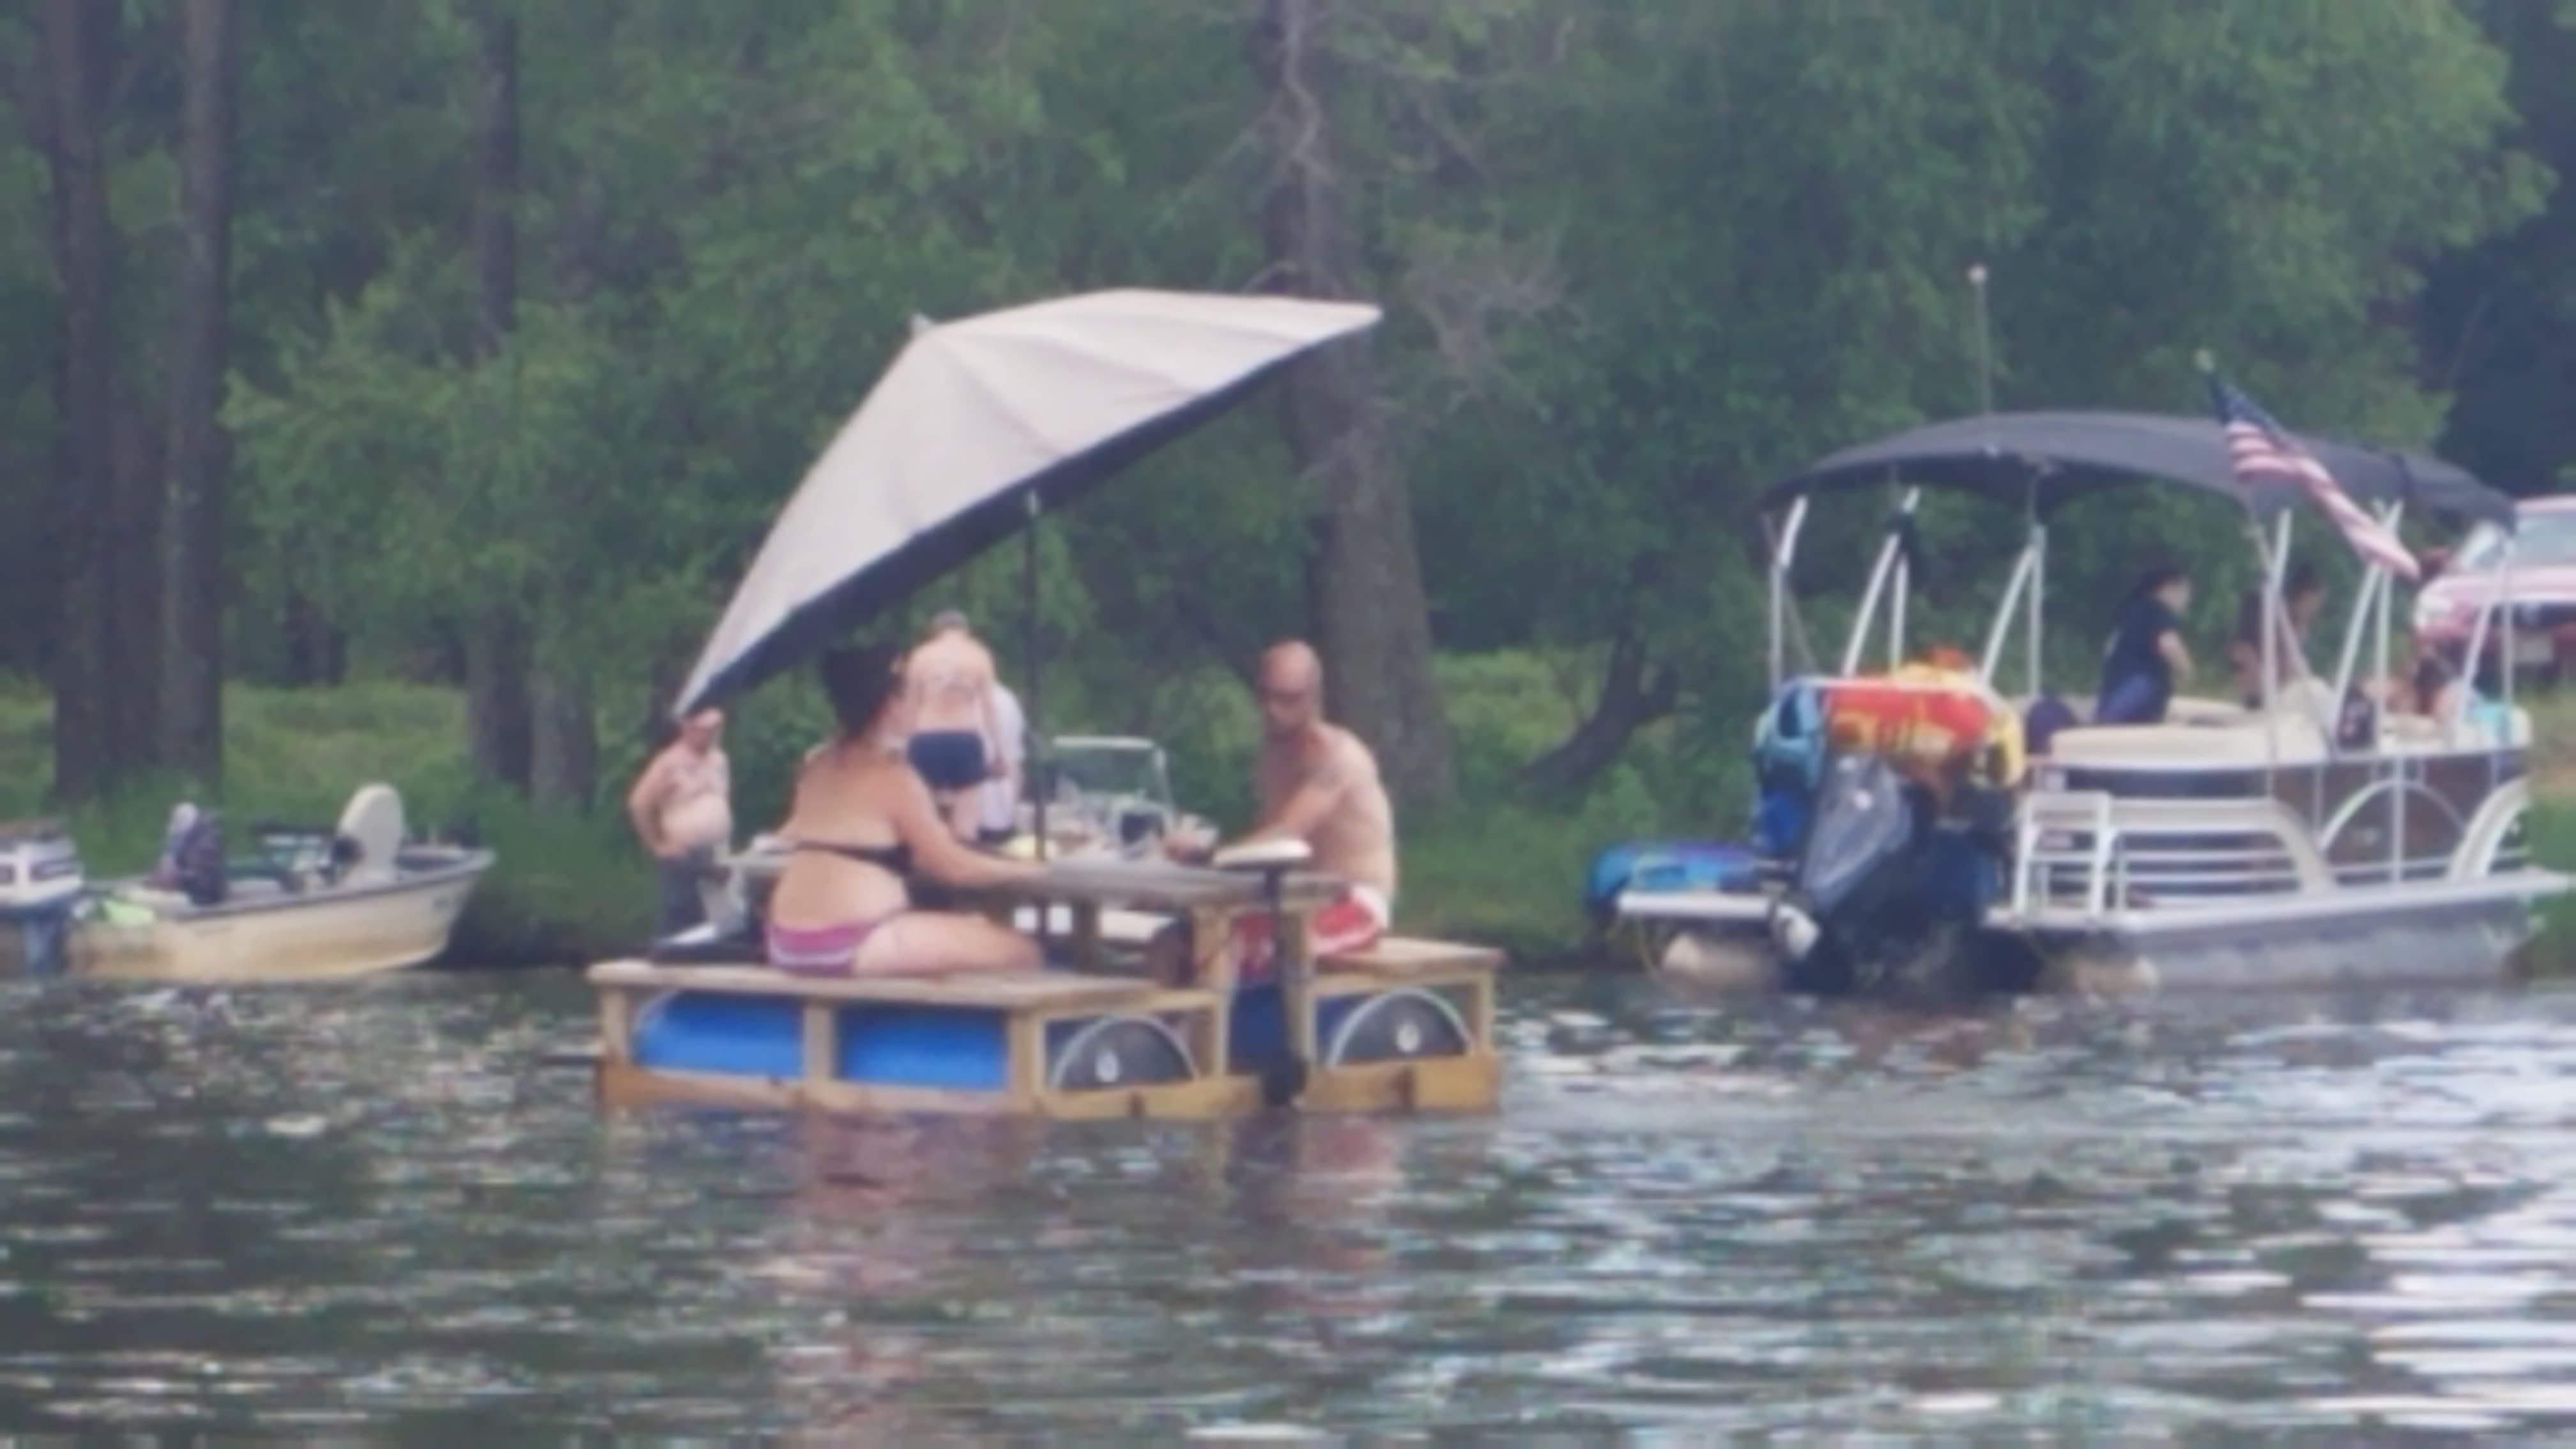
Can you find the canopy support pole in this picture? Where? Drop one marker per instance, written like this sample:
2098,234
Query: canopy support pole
1887,556
2038,612
1904,581
2365,605
2001,629
1784,552
2388,701
2511,660
2271,556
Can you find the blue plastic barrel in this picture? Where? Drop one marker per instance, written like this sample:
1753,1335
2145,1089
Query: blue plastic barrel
1258,1037
882,1044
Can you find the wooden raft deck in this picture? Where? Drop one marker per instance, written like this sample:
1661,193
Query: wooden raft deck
1031,1007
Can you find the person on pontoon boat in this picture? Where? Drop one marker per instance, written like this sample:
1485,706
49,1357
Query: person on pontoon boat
949,682
861,823
2303,597
2146,657
1317,783
682,810
2432,690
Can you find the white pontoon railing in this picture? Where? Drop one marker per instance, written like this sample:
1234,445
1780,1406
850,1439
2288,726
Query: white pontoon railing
2097,853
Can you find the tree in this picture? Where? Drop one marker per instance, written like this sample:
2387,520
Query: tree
2498,320
498,712
86,666
195,519
1375,624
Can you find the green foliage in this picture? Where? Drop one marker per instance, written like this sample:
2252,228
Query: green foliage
1638,260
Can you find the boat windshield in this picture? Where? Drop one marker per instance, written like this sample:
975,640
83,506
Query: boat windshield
1108,770
2544,538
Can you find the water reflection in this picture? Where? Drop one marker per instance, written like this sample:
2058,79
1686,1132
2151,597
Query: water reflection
377,1210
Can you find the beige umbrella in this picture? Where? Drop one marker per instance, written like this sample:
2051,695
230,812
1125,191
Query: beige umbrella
976,425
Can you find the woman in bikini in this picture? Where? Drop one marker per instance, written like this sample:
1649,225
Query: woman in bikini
862,820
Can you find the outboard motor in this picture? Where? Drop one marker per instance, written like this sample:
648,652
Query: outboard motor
1851,882
41,884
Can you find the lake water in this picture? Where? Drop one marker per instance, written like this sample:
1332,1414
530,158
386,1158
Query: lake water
381,1210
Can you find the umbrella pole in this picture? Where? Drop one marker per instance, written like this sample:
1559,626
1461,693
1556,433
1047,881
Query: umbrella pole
1036,742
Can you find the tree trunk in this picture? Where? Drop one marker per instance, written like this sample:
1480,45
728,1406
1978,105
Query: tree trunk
133,552
1629,701
565,768
496,180
1374,620
192,522
85,666
316,650
499,721
497,713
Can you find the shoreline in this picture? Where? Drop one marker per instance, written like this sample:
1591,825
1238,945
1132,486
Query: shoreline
572,886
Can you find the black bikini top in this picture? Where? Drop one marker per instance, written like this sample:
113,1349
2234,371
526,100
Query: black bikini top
896,858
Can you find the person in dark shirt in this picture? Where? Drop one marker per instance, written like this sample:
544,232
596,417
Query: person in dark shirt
2146,657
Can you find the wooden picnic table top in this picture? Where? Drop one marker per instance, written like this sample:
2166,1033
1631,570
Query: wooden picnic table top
1152,885
977,988
1163,885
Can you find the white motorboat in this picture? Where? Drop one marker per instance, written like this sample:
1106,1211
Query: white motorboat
312,905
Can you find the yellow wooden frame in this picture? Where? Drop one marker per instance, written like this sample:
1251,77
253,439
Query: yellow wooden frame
1029,1004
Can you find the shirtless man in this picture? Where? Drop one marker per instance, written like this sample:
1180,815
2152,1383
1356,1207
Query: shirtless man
682,809
948,689
1319,784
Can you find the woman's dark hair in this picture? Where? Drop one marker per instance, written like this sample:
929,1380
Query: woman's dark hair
2302,579
859,679
2431,674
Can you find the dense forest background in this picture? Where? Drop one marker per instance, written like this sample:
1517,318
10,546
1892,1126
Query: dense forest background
476,342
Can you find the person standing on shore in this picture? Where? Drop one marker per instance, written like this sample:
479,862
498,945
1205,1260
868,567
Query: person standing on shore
682,810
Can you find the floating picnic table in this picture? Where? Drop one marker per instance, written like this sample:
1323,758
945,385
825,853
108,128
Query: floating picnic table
1404,1024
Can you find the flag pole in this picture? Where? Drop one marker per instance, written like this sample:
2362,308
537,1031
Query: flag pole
1985,343
2264,611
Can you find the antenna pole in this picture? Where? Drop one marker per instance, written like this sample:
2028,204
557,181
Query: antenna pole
1985,341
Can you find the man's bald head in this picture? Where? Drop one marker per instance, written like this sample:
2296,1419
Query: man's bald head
1291,687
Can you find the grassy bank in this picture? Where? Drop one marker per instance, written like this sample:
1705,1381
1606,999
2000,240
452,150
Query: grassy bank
571,885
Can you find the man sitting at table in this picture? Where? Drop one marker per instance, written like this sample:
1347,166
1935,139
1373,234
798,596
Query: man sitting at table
1318,783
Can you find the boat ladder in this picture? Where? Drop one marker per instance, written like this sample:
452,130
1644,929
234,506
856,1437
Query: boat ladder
2062,829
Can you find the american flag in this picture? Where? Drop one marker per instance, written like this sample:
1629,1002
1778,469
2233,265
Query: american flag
2261,451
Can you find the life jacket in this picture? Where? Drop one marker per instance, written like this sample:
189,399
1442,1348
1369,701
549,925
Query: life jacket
1937,725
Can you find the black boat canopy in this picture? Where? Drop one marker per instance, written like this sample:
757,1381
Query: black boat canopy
2068,455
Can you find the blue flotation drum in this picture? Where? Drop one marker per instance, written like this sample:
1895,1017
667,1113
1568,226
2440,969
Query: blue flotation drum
895,1044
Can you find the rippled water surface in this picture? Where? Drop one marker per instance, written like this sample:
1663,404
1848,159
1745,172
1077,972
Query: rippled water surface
383,1209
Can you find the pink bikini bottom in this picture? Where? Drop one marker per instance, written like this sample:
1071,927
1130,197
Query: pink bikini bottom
818,950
